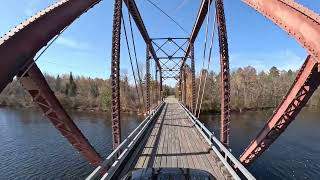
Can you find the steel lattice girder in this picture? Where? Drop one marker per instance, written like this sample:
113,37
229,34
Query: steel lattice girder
148,77
115,74
197,25
304,26
35,83
193,80
156,78
133,9
22,43
180,86
298,21
306,82
225,74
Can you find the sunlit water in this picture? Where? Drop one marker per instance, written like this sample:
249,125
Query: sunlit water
295,155
30,148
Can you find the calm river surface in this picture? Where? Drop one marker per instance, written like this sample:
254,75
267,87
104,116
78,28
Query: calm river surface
30,148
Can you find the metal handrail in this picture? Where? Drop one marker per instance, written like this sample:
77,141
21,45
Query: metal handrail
114,160
215,145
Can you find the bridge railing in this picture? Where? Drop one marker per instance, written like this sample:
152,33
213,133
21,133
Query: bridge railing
111,164
230,162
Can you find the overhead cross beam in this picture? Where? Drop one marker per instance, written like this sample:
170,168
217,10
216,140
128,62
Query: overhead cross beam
196,28
134,11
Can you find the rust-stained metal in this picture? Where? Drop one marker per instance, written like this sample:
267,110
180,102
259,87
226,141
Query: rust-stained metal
300,22
303,25
306,82
157,84
115,74
171,63
22,43
161,88
134,11
180,87
148,77
35,83
203,10
225,74
184,90
193,81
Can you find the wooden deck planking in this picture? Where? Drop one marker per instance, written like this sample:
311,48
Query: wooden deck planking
175,142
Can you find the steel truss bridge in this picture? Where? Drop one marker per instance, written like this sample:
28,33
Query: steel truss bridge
171,135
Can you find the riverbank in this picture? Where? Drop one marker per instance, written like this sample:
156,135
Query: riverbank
78,109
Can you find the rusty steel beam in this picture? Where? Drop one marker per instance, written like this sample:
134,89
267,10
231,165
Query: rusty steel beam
161,88
203,10
134,11
184,90
180,87
193,78
22,43
148,77
306,82
35,83
303,25
115,74
298,21
225,73
156,81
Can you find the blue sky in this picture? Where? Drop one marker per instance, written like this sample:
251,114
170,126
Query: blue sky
85,47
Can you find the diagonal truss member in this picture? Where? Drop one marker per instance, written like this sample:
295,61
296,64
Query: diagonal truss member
21,44
35,83
303,25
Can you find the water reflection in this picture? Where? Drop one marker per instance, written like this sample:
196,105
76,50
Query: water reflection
31,148
295,155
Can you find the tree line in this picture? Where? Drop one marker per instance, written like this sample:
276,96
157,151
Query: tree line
249,90
78,93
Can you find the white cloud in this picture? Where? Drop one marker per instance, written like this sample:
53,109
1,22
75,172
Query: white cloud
72,43
283,60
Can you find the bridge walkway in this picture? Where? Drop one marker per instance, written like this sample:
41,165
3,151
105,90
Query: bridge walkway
175,142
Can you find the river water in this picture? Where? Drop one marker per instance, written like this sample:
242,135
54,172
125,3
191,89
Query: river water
30,148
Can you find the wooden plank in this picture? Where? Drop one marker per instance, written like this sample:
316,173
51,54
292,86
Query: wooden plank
169,141
190,149
179,144
165,143
157,162
175,142
161,133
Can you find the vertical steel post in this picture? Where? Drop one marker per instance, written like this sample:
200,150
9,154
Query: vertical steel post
115,74
161,88
184,95
148,77
193,79
225,74
156,81
180,86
